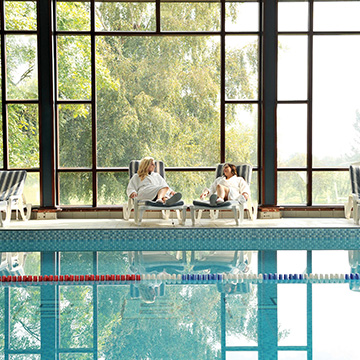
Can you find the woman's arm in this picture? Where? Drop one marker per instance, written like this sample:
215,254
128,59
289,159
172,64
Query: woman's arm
132,188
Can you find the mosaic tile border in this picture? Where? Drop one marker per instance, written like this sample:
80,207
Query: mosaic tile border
181,239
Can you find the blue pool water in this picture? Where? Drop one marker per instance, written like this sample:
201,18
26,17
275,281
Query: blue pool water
160,317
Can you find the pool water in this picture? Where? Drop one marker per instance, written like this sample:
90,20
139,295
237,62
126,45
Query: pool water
240,316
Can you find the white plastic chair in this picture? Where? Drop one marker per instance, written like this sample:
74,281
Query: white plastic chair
12,184
221,261
354,198
140,206
238,209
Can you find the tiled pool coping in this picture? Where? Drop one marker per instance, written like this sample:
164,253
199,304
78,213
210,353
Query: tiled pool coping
181,239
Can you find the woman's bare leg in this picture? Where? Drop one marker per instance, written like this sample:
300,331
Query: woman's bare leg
222,192
162,192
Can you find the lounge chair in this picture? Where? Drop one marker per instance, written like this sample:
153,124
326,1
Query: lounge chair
170,262
12,184
243,170
12,263
221,261
354,198
141,206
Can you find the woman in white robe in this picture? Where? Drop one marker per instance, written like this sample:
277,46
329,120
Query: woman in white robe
227,187
149,185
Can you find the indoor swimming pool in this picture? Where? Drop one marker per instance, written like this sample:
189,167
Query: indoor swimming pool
287,293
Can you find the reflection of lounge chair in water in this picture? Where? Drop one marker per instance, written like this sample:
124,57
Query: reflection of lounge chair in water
171,262
354,262
12,263
221,261
146,291
234,288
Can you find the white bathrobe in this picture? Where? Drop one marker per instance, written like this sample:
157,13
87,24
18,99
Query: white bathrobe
149,187
236,184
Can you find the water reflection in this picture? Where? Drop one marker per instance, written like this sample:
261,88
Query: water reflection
163,318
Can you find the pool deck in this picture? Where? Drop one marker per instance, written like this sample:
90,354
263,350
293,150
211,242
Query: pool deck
154,234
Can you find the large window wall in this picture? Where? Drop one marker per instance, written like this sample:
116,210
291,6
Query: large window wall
318,104
190,83
174,80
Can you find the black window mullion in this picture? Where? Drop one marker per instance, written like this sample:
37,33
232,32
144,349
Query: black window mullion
310,102
3,86
93,105
222,83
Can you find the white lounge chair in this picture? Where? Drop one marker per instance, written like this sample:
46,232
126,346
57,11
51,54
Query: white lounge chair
12,184
354,198
221,261
140,206
12,263
243,170
170,262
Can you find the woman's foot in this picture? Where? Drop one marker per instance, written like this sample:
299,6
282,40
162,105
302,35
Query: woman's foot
160,201
219,200
174,199
213,198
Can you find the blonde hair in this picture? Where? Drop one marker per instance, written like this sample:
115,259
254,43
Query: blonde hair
143,171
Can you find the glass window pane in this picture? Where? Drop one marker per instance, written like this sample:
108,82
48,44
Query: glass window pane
190,183
291,135
74,67
23,130
243,355
76,316
241,133
173,321
331,187
112,188
336,16
76,263
335,100
191,16
330,262
241,72
25,318
242,16
113,262
292,68
32,263
292,355
21,66
291,262
122,16
242,316
75,188
158,96
20,15
293,16
291,187
336,338
32,188
292,325
77,356
25,357
73,16
75,136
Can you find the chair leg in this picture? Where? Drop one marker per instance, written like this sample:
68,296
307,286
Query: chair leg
140,216
192,214
200,214
241,212
357,207
235,212
165,214
214,214
136,212
184,215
